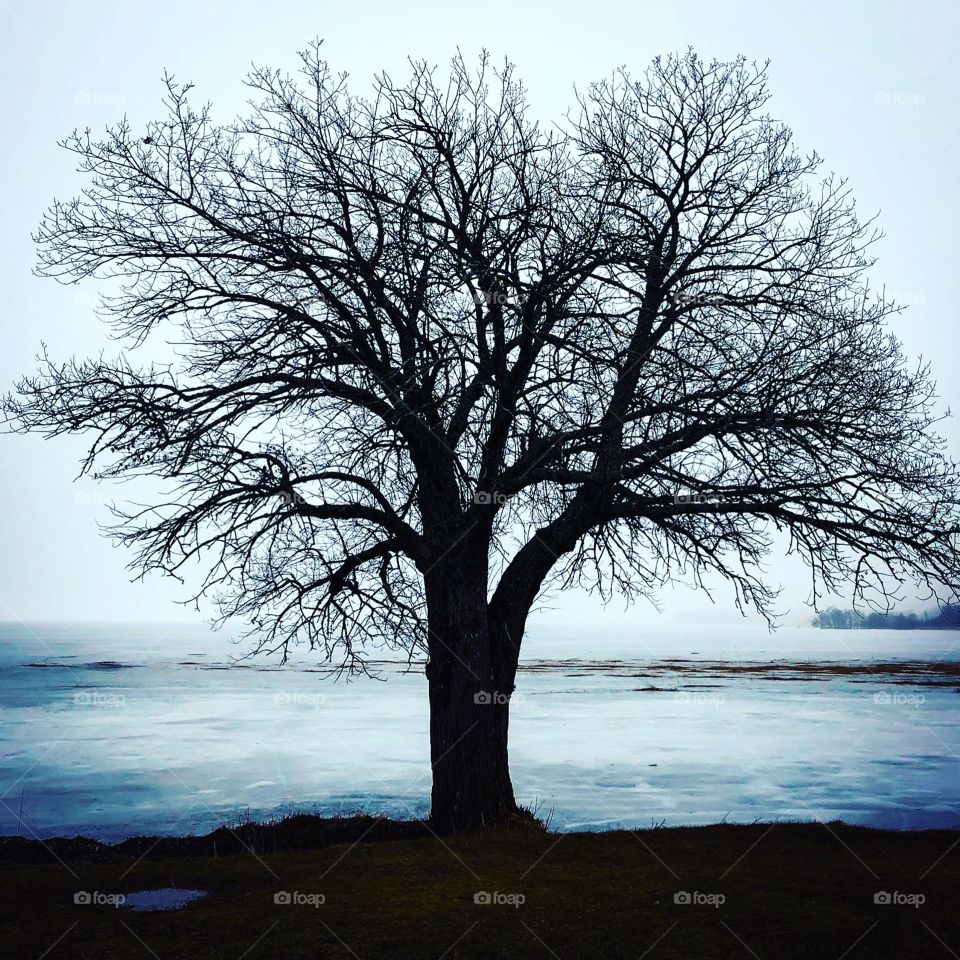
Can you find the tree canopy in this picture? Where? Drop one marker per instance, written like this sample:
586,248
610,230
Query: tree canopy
431,356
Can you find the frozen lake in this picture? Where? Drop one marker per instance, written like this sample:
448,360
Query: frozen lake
115,730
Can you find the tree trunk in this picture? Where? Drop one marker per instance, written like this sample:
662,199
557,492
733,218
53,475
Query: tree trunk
470,690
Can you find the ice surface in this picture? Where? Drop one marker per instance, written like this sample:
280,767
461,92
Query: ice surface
604,732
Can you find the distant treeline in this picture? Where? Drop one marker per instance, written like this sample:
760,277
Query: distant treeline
835,619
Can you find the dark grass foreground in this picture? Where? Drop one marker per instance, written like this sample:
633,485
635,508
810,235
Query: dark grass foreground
394,890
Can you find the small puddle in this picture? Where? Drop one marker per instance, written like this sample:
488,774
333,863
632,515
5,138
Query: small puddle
166,898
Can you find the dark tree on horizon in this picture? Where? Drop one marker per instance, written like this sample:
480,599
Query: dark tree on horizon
431,360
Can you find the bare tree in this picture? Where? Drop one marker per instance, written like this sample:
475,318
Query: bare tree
431,360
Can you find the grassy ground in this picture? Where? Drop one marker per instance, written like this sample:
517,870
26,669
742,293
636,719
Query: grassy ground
788,891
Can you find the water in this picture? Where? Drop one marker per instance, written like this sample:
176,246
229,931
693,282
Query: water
119,730
166,898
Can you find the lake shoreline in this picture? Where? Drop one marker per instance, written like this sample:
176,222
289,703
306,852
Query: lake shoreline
302,832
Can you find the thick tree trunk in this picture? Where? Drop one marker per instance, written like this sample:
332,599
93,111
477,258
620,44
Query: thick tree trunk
470,688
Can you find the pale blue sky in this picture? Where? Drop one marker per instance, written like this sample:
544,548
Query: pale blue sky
872,87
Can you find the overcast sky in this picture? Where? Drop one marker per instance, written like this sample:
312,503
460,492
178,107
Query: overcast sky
871,86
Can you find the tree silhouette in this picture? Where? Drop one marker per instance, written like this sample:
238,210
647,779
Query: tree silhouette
432,360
